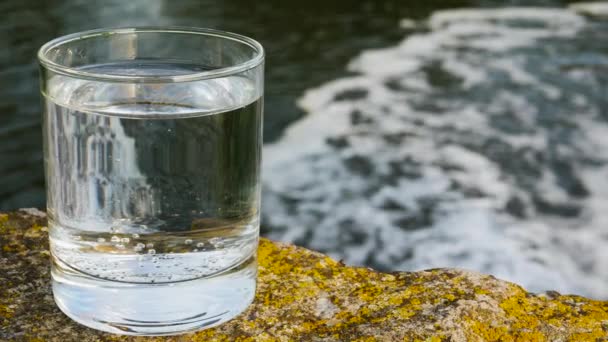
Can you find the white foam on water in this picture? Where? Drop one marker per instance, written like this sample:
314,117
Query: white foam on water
553,18
595,9
479,143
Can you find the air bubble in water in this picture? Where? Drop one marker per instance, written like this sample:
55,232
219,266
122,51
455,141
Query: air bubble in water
125,240
200,245
135,236
151,251
139,247
149,245
115,239
101,240
188,241
217,242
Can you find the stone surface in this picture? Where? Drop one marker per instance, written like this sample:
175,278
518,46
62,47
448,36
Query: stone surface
306,296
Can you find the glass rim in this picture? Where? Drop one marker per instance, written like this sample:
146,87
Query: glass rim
250,63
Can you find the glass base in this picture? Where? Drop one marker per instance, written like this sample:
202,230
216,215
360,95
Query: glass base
153,309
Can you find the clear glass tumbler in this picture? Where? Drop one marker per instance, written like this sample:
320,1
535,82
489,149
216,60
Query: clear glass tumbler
152,145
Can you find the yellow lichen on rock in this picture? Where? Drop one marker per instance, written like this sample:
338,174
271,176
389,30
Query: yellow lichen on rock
306,296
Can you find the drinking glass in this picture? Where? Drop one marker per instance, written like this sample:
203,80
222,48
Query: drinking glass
152,148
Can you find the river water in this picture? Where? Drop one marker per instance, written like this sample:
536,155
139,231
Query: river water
396,137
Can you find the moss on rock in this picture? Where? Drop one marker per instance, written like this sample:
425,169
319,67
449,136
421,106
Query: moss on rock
306,296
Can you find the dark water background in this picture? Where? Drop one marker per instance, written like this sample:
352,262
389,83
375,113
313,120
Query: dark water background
307,42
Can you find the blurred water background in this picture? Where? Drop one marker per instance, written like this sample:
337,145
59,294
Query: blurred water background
399,134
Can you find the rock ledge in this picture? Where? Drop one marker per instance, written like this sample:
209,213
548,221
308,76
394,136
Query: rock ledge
306,296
